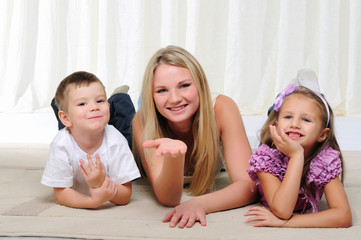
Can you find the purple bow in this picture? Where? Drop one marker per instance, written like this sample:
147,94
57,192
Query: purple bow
279,100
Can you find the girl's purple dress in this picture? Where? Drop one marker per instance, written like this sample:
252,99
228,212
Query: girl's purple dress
324,167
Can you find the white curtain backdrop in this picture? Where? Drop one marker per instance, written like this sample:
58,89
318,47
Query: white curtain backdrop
250,49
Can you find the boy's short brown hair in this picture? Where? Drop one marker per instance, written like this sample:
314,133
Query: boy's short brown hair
79,79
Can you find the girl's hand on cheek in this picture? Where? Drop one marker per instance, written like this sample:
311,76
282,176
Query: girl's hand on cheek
167,146
284,144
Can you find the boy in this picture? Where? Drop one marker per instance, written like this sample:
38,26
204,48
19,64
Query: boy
87,138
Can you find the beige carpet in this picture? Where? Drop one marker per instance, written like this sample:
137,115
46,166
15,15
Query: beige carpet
28,209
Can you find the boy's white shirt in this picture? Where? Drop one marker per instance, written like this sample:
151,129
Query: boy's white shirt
63,167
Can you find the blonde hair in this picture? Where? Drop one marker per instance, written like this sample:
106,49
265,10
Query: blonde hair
265,135
206,148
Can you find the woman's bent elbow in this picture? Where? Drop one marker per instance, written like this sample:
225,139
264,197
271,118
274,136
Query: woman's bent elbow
169,198
168,202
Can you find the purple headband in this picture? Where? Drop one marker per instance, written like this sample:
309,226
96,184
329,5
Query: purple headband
279,100
290,89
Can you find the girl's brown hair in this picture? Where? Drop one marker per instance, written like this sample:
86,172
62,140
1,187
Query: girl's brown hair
265,135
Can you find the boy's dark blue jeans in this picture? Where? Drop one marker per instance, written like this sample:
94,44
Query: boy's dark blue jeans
121,110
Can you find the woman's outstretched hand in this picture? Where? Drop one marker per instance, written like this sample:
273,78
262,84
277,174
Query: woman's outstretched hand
167,146
186,214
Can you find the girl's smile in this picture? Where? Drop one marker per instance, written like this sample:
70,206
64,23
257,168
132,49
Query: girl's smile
294,135
300,118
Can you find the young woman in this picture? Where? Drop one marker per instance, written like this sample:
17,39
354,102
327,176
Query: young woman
181,132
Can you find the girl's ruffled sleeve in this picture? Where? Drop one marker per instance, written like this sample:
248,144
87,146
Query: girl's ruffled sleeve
266,159
324,167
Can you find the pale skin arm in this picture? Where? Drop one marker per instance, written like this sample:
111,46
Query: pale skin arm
164,166
124,192
237,152
282,196
95,174
71,198
109,191
337,216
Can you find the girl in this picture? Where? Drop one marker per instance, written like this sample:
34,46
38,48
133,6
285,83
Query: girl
179,131
298,160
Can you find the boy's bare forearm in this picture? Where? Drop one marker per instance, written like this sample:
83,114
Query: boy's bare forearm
124,192
71,198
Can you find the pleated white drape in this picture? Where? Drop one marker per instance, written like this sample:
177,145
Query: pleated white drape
250,49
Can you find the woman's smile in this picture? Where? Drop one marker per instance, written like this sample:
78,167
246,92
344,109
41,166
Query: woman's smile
175,94
176,109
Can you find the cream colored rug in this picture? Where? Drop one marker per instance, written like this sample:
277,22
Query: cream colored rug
28,209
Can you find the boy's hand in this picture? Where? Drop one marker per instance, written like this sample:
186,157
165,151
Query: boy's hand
106,192
94,174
